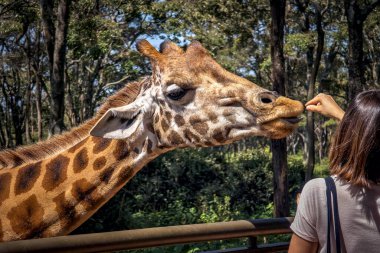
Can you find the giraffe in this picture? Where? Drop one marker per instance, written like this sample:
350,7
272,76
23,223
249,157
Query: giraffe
50,188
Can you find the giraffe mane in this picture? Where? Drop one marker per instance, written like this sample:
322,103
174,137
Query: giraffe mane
10,158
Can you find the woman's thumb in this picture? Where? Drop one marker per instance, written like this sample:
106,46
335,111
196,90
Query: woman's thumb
312,108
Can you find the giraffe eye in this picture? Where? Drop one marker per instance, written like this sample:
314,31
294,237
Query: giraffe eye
177,93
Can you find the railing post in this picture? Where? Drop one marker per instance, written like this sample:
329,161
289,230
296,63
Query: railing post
252,242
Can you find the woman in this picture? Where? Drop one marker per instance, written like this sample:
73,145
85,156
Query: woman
355,166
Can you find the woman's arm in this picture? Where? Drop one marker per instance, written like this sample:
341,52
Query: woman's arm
325,105
299,245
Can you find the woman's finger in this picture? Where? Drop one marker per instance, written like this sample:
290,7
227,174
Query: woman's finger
314,101
313,108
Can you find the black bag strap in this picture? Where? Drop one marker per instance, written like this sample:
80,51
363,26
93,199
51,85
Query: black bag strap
331,191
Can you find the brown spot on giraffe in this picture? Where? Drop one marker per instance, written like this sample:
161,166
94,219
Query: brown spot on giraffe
106,174
5,184
168,116
209,143
100,144
212,116
126,174
150,128
27,218
229,115
121,150
65,209
218,136
56,172
194,119
228,112
26,177
80,160
164,125
190,136
150,145
201,127
179,120
77,146
85,192
174,138
82,189
99,163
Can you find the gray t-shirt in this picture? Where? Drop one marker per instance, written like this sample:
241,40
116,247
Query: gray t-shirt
359,211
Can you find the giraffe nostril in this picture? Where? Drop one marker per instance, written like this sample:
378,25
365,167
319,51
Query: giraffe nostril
267,97
266,100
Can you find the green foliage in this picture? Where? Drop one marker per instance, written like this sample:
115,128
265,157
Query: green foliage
190,186
224,27
322,169
266,64
217,209
296,173
297,43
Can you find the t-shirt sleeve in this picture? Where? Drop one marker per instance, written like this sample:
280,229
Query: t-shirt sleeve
304,224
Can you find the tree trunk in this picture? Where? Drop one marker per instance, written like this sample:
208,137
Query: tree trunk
310,140
16,105
28,110
36,66
29,87
39,106
88,100
56,46
279,153
356,16
47,16
329,59
310,128
356,80
3,138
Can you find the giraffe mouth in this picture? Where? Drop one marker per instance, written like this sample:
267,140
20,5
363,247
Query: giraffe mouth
292,120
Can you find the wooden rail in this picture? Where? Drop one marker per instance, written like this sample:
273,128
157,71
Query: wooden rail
160,236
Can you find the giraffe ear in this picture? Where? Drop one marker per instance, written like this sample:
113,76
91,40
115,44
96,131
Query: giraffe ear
145,48
118,123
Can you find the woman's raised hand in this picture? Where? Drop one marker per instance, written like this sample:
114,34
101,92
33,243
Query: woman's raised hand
325,105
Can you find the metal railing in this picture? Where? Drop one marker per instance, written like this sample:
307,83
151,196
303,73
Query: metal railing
160,236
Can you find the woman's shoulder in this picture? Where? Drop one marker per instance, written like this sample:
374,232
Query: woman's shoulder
310,205
315,188
315,184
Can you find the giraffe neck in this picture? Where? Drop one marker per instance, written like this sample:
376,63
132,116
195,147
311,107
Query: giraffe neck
54,196
20,156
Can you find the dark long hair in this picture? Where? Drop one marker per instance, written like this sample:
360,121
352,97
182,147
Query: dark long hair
355,150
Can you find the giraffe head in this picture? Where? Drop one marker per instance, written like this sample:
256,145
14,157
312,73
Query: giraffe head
190,100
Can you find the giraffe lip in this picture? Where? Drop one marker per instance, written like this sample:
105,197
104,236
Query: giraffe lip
292,120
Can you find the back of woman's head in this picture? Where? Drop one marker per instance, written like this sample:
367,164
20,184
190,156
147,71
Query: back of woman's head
355,151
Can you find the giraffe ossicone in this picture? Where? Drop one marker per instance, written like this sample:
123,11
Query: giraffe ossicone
50,188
